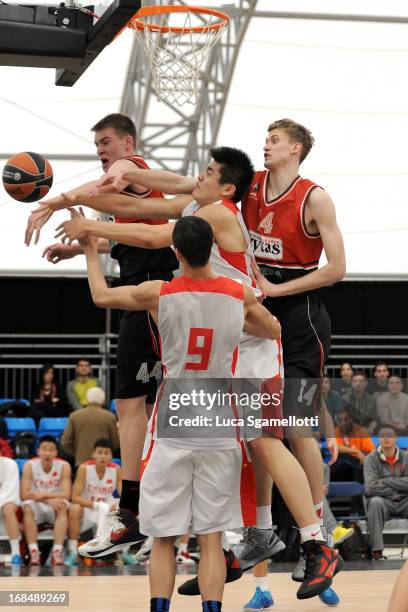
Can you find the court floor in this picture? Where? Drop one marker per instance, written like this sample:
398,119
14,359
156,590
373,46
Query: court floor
359,591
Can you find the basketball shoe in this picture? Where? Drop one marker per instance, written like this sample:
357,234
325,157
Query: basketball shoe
35,558
234,572
299,571
122,530
57,558
144,551
261,600
322,563
183,558
329,597
260,544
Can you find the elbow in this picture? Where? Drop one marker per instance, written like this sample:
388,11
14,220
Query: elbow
339,272
101,301
276,329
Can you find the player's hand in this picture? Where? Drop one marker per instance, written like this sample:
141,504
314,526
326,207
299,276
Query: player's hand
70,230
108,183
57,252
268,288
35,496
36,220
333,450
57,504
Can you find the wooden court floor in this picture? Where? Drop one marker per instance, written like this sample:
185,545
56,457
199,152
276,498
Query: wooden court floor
360,591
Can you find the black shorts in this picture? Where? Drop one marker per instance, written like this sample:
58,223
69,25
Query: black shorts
306,333
138,365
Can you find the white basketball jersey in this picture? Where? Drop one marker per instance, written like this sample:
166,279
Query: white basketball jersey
100,489
46,482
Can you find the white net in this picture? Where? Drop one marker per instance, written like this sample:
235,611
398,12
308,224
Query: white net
176,57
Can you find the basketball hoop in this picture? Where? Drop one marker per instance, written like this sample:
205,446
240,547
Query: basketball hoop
177,40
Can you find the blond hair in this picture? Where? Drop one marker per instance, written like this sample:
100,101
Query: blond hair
296,132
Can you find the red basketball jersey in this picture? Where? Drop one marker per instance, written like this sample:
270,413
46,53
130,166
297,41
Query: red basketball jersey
277,228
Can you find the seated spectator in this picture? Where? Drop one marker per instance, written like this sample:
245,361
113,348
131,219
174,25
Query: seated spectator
88,425
78,388
9,503
386,487
47,401
337,530
343,383
361,405
45,491
92,497
354,443
379,384
5,449
334,402
392,407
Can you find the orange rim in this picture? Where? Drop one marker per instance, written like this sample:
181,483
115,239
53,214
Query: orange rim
147,11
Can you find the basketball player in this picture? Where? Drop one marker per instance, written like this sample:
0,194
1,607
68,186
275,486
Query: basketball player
45,491
193,481
92,496
138,361
9,505
231,255
399,597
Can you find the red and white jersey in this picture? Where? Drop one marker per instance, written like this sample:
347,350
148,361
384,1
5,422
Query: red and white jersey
200,324
149,193
277,229
232,264
47,482
100,489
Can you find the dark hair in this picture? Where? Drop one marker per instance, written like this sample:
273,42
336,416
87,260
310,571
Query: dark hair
381,363
103,443
360,373
236,168
193,237
46,367
122,124
83,359
48,438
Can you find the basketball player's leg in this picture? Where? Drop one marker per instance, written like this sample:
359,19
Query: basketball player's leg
399,597
30,523
162,568
75,516
211,569
262,598
10,520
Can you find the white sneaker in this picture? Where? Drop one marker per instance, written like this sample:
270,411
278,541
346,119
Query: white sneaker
122,530
183,558
144,551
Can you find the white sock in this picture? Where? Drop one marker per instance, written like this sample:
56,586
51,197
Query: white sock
182,548
33,547
319,511
73,546
262,583
15,546
57,547
263,517
311,532
225,542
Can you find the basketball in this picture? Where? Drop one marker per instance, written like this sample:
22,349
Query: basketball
27,177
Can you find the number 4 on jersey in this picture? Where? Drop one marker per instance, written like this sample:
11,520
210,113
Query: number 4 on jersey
267,223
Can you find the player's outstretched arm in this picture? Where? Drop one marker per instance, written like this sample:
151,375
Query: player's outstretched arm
143,297
134,234
324,215
258,320
160,180
55,253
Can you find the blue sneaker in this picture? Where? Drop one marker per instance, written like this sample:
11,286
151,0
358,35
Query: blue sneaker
71,560
16,560
262,600
329,597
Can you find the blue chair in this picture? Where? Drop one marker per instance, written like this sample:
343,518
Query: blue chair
52,426
112,405
376,440
17,424
343,493
5,400
117,461
402,442
20,463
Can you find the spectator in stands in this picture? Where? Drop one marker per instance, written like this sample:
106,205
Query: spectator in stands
5,449
92,497
334,402
361,405
86,426
9,504
392,406
386,487
379,384
78,388
45,491
47,401
354,443
342,384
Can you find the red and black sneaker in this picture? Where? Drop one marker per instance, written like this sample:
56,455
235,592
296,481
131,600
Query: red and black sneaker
122,530
234,572
322,563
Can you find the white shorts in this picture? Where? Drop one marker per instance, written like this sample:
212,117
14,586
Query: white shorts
43,513
89,519
259,358
183,490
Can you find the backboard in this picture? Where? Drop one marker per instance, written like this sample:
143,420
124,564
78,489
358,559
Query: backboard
65,37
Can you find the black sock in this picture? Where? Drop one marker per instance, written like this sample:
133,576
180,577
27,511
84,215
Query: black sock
129,498
159,604
212,606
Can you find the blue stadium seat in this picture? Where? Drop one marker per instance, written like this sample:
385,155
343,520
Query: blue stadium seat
20,463
5,400
112,405
52,426
402,442
376,440
117,461
17,424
